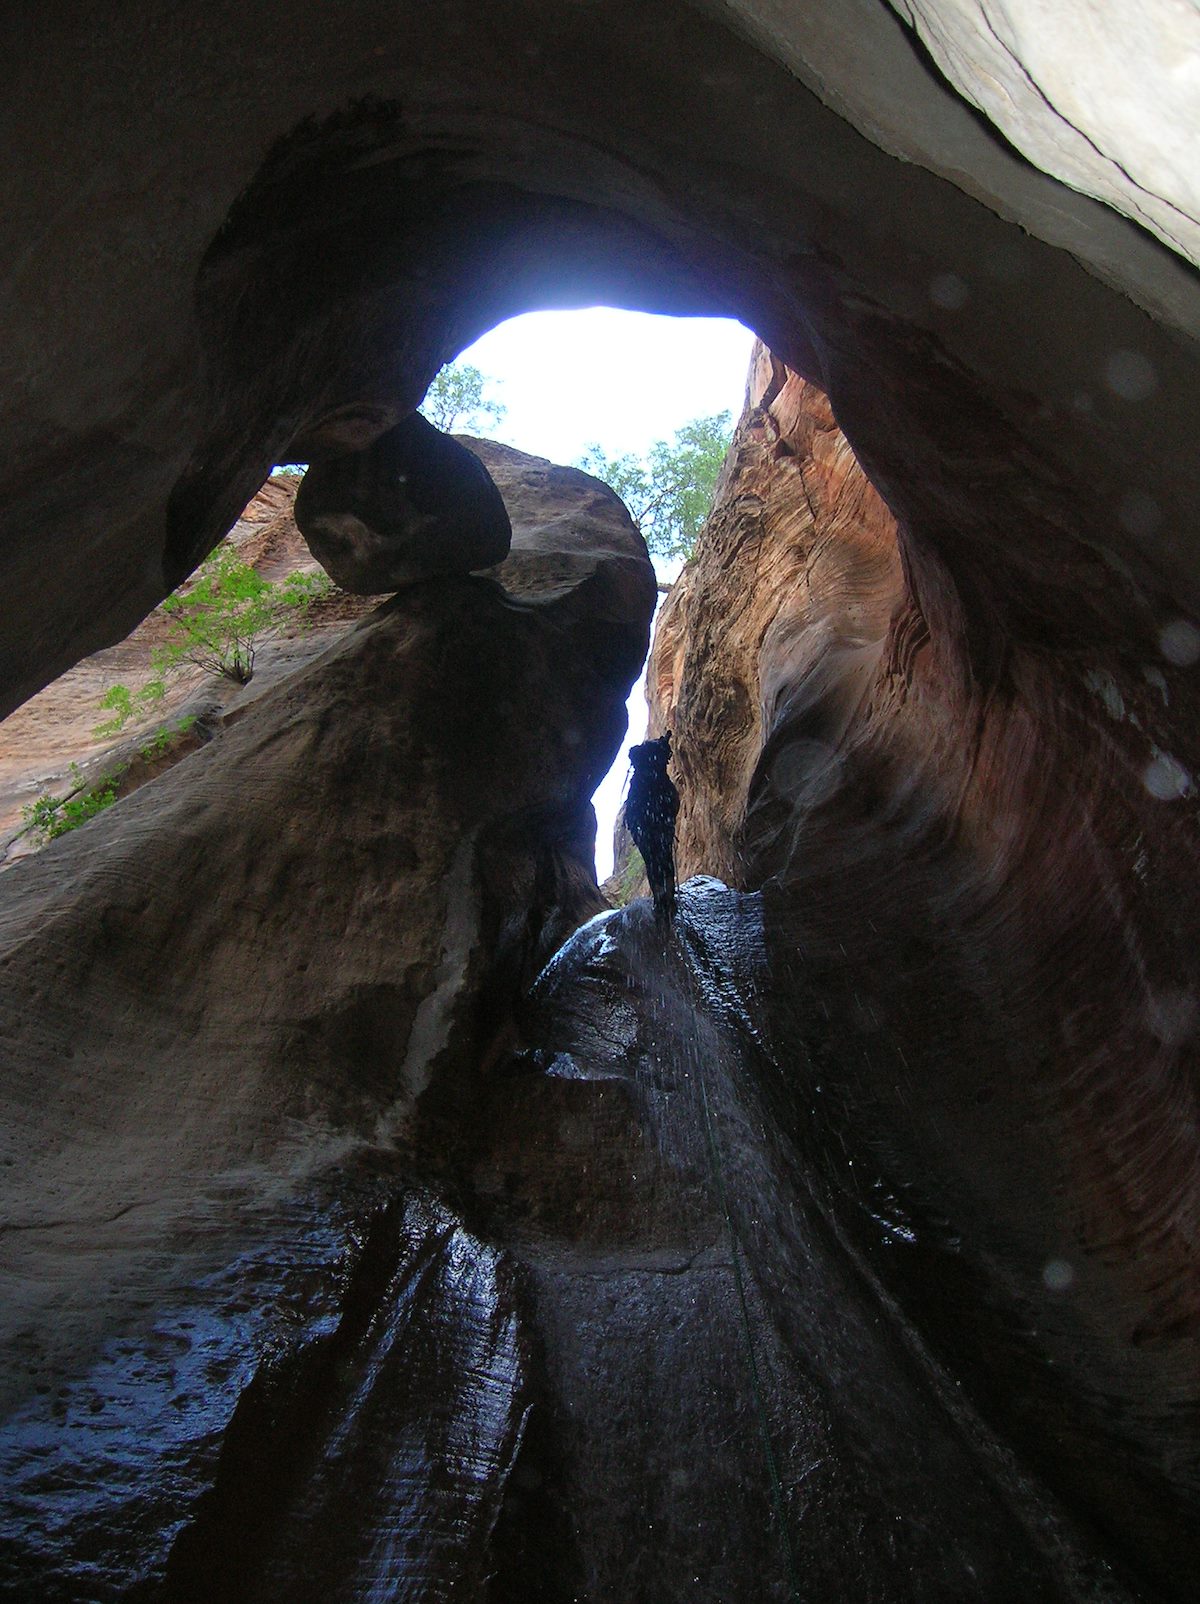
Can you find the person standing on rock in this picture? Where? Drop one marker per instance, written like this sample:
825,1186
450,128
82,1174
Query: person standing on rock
650,812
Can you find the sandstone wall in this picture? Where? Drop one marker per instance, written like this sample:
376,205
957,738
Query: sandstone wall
239,997
953,1033
55,729
977,844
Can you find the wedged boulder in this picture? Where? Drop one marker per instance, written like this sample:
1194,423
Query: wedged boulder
413,503
582,545
233,1003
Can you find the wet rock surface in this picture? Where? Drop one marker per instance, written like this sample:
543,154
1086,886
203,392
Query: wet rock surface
974,862
278,955
370,1460
640,1341
738,1405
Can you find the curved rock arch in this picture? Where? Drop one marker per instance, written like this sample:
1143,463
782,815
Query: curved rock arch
757,200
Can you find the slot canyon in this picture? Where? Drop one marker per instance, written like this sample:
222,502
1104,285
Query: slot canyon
386,1215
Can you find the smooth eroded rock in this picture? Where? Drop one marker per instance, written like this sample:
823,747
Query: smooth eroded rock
970,843
730,1404
1099,96
234,1004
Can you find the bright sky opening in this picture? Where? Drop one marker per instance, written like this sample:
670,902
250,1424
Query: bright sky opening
621,380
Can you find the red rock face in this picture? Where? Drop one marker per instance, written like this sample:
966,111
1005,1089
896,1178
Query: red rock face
975,827
56,728
787,606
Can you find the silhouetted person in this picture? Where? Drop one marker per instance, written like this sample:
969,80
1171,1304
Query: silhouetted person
650,811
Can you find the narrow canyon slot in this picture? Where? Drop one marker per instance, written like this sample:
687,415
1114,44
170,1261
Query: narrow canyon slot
397,1209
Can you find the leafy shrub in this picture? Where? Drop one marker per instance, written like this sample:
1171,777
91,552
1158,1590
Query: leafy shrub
48,816
216,623
163,738
631,872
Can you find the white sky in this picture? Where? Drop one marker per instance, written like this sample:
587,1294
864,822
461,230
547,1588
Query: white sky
622,380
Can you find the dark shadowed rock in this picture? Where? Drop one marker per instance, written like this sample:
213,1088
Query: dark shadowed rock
413,503
372,856
731,1405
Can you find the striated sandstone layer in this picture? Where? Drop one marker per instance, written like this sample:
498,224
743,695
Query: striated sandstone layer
56,728
978,849
786,606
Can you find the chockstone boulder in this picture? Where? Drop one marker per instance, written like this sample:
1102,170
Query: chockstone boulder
920,1086
413,503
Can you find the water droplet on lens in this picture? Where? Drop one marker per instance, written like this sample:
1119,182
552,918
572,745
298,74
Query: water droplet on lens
949,291
1179,642
1130,375
1172,1015
1139,513
1058,1275
1165,778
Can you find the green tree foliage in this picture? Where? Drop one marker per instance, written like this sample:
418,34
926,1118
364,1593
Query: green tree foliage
49,816
164,738
455,401
217,621
669,490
